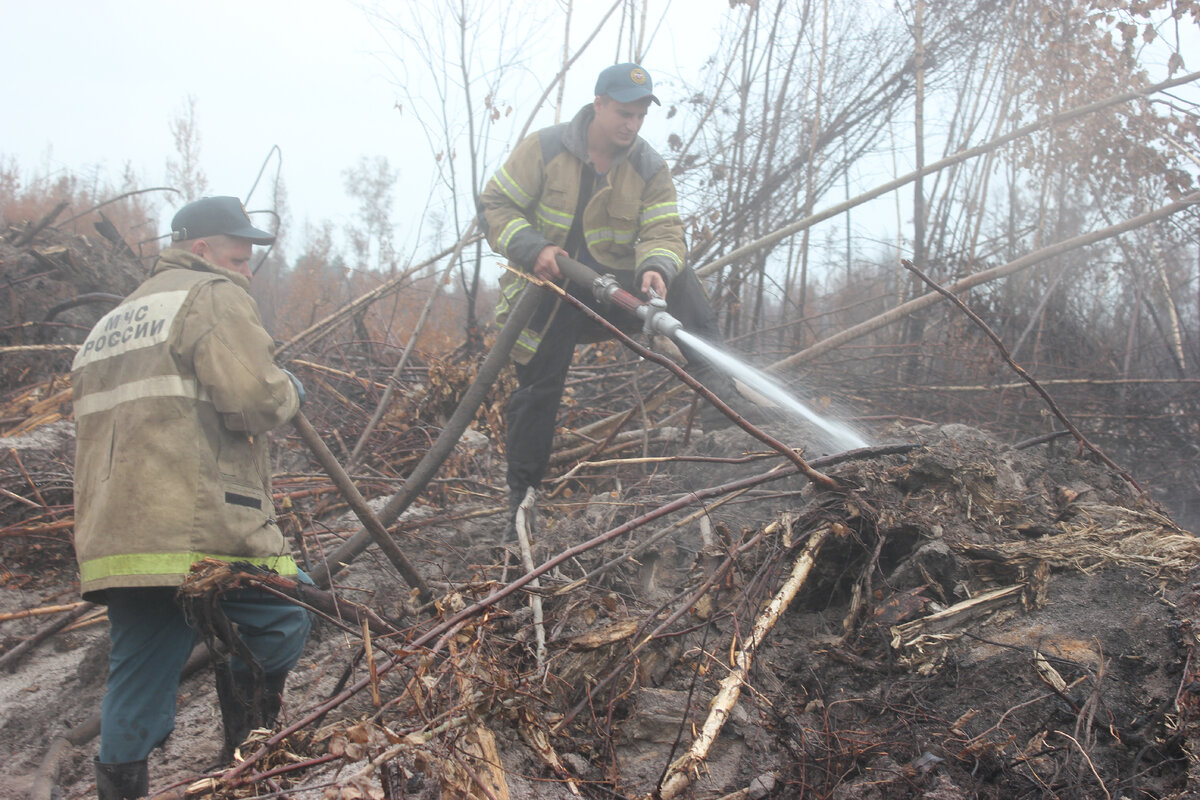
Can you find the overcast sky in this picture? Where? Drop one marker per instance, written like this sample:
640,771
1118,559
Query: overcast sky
89,87
90,84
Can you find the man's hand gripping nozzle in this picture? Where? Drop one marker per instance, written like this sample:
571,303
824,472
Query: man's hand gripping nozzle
652,312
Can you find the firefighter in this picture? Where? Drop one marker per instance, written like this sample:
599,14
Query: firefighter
594,190
175,390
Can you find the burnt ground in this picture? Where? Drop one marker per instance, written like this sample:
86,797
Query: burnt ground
875,683
979,620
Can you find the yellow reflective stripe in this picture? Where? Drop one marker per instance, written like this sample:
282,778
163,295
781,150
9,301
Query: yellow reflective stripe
507,292
598,235
169,564
529,341
658,212
513,289
511,188
669,254
553,217
510,230
159,386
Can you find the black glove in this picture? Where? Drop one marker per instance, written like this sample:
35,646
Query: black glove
299,386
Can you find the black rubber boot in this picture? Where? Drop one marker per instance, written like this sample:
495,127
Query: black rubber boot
715,380
272,697
720,384
126,781
235,700
244,707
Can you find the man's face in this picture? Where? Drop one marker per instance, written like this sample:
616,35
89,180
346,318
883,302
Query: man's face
226,251
618,123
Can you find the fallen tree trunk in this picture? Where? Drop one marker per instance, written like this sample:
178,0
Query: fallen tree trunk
924,301
10,659
419,478
358,504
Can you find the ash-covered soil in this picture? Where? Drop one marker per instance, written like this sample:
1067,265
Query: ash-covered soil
980,621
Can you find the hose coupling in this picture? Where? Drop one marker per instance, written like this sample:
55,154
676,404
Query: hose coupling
604,287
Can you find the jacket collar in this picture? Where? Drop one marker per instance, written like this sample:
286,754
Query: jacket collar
575,138
177,258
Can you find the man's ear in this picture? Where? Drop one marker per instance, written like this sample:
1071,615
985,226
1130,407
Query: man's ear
199,246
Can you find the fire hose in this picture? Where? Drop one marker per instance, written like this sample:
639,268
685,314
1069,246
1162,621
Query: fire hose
654,315
606,289
652,312
428,466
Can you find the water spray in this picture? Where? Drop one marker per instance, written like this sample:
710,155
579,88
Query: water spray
655,319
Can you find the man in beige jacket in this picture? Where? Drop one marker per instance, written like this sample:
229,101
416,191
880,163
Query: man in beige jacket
594,190
175,390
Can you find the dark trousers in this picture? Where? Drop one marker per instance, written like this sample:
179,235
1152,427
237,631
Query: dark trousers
151,640
533,407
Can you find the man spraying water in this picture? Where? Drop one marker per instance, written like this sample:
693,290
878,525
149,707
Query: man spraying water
595,191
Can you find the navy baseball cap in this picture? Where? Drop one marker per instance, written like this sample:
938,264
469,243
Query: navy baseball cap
625,83
213,216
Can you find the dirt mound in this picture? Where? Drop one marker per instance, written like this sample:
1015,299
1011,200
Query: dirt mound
981,621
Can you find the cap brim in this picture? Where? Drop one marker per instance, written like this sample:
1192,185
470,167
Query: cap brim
253,234
630,95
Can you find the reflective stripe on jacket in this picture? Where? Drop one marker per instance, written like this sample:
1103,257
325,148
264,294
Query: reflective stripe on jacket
174,392
630,224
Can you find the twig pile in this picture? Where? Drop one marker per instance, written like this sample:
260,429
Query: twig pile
948,616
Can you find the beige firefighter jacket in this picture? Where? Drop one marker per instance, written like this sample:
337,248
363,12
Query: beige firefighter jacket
174,392
630,224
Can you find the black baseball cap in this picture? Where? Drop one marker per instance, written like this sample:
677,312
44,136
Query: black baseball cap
212,216
625,83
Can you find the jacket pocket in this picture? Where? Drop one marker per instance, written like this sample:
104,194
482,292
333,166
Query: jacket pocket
623,229
242,485
623,211
96,444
